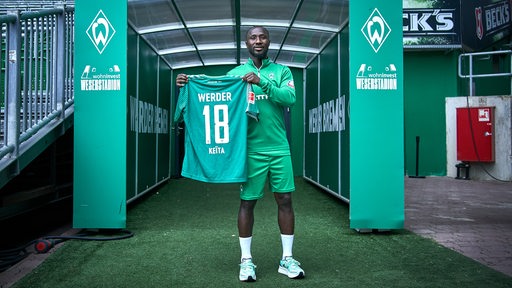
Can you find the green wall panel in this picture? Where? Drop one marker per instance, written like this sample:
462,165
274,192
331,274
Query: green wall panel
164,103
297,123
329,101
425,90
310,137
148,119
146,142
174,157
344,145
131,91
326,159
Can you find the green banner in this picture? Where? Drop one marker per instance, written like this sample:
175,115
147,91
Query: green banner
376,115
100,114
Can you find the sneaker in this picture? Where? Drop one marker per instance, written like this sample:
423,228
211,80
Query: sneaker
247,271
290,267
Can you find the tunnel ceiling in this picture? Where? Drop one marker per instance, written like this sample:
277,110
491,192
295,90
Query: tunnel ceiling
190,33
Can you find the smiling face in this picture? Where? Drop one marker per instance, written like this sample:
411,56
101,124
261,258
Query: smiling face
257,42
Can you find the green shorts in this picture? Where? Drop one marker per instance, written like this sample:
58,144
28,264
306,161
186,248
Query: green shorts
278,168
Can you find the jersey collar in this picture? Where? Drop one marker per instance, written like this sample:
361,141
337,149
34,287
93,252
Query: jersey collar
265,62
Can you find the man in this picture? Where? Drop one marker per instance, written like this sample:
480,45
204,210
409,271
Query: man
268,152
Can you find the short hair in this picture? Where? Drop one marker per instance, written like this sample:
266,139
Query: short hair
254,27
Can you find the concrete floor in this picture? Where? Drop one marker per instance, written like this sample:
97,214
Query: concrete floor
471,217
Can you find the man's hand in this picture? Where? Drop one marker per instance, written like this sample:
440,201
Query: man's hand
181,80
252,78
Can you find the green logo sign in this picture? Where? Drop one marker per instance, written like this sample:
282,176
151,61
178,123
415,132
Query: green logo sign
376,30
100,31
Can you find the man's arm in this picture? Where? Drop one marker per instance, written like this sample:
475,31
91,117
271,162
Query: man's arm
284,94
181,80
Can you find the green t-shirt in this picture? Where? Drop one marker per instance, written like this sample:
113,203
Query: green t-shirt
214,111
275,92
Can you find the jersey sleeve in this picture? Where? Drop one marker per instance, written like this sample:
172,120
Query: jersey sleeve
284,94
182,104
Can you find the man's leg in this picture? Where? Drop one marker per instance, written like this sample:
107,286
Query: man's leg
246,218
250,192
286,221
285,214
286,218
245,224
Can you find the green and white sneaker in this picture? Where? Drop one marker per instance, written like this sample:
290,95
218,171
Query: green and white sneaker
291,268
247,270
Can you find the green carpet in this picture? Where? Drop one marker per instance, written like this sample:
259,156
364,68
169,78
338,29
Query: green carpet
186,236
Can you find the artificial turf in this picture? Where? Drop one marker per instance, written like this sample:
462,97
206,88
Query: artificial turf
185,235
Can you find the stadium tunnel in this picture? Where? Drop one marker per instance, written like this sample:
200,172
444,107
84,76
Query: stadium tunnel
121,128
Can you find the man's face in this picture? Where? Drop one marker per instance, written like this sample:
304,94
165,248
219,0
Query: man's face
257,43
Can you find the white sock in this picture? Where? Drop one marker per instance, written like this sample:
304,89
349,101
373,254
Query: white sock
245,247
287,241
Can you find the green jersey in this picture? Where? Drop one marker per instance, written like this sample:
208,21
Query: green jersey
214,112
275,92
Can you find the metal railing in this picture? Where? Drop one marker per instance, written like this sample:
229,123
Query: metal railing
32,5
36,76
470,73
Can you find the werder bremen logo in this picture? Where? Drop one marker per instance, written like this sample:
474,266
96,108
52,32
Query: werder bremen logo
100,31
376,30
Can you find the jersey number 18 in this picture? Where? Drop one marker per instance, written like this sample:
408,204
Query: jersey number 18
221,127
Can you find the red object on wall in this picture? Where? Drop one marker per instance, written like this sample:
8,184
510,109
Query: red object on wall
475,130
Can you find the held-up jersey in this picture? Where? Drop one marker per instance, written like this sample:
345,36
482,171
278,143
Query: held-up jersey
214,111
